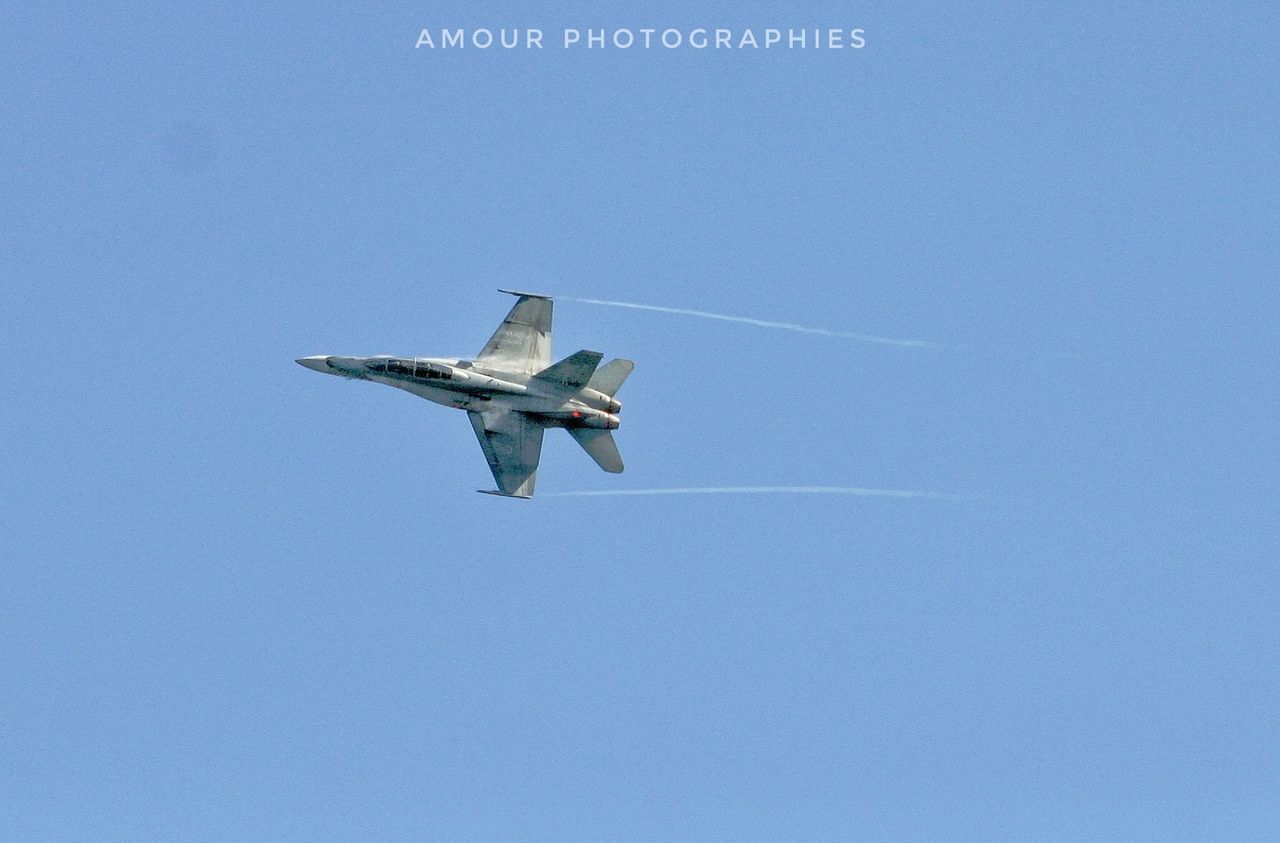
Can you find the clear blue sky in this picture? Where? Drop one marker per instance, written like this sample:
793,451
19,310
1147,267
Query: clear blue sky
241,600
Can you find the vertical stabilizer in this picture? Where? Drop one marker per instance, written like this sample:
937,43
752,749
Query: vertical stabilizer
609,377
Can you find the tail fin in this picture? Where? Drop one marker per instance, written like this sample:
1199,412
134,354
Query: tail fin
600,445
609,377
574,370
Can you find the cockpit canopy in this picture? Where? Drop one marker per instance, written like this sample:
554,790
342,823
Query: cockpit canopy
408,368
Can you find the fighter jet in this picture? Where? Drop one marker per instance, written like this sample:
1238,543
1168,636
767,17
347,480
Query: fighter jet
511,393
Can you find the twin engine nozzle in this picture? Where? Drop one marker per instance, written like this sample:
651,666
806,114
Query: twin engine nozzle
597,400
585,418
607,421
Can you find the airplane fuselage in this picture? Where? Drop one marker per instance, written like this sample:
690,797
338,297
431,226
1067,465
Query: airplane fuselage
462,384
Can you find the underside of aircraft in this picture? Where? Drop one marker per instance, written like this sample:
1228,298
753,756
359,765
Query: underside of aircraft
512,393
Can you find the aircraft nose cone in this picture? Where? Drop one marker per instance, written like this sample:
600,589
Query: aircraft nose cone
318,363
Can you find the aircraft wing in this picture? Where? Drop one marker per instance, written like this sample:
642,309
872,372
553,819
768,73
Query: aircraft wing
512,443
522,342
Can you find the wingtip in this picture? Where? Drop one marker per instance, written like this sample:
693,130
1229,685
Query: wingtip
522,293
496,493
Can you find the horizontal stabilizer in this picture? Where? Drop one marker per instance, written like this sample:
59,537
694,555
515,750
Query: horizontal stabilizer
609,377
574,370
600,445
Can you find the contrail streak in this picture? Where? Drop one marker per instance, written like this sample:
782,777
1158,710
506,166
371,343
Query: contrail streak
764,323
768,490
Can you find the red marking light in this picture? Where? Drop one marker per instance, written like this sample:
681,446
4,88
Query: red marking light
576,414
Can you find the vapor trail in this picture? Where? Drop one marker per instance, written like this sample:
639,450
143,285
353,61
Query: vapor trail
764,323
768,490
